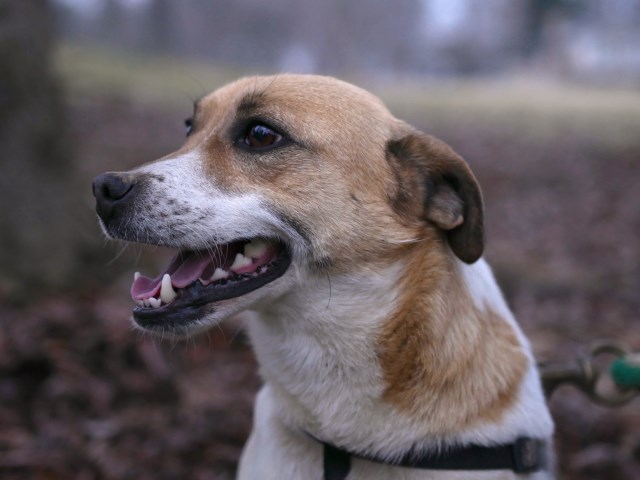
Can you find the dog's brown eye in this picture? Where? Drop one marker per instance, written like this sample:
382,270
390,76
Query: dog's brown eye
188,123
261,136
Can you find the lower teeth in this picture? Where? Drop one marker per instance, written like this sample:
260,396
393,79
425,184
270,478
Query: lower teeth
153,302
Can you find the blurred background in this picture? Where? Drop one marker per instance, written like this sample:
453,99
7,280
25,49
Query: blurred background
542,97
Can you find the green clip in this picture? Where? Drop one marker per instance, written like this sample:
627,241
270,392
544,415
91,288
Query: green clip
625,371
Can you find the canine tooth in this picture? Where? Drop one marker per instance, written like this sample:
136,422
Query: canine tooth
240,261
136,275
154,302
140,303
255,248
167,293
218,274
145,302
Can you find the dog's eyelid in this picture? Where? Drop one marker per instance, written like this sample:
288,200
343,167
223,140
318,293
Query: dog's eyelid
265,122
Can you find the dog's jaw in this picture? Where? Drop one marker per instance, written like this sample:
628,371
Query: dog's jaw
178,208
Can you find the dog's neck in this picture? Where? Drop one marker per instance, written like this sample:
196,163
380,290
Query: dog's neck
382,362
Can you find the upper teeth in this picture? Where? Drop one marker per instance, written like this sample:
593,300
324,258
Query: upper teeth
167,293
255,248
240,261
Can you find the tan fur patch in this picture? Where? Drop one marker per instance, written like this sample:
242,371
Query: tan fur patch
445,362
332,180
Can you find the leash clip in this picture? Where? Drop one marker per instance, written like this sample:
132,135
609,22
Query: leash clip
586,373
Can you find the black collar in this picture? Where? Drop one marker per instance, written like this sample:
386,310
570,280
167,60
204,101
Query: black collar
525,455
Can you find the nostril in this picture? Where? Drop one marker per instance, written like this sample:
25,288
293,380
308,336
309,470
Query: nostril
110,187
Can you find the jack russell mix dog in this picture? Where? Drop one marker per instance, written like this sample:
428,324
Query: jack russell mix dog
355,241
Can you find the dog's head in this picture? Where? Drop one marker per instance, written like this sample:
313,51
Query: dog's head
282,178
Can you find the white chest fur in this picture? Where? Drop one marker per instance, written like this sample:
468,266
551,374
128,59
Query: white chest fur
317,353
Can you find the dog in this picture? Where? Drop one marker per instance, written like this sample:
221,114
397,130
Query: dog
355,243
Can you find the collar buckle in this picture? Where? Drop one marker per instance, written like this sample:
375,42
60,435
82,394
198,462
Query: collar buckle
527,455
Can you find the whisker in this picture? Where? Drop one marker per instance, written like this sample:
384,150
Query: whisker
119,254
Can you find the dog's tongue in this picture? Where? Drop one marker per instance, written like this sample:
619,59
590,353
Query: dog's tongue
189,270
184,269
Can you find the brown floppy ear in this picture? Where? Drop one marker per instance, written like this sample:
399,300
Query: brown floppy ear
427,169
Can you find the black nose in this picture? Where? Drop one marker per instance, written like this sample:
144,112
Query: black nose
111,191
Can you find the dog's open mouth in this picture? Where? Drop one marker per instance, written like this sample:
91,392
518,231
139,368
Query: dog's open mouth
195,279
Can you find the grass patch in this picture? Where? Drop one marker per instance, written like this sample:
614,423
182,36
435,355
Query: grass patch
531,110
89,71
534,110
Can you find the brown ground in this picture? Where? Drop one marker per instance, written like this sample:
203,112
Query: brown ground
83,396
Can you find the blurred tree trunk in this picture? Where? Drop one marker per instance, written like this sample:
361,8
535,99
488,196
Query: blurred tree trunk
37,204
537,14
161,34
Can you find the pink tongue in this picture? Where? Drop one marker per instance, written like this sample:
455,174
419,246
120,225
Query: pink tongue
190,270
183,270
145,287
